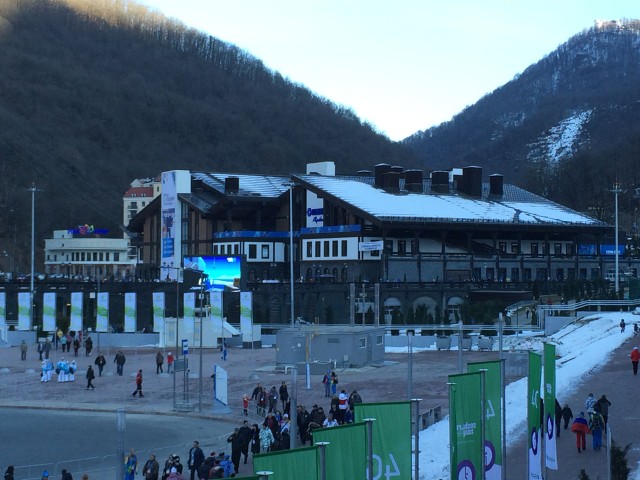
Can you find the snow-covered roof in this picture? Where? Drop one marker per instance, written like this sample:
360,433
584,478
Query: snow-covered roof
515,206
270,186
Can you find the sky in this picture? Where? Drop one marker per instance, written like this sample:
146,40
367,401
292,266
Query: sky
401,66
597,333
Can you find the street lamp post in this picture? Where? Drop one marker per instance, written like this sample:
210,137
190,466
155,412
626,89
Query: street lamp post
33,191
291,279
616,190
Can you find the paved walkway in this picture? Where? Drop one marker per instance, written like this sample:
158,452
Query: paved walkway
614,379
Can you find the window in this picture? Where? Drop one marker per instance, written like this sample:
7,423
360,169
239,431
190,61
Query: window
569,248
534,249
317,249
362,342
379,339
388,247
253,251
344,247
309,249
215,249
334,248
116,256
333,340
326,248
415,247
82,256
557,249
101,257
514,247
515,275
402,248
95,256
502,247
236,249
265,252
107,255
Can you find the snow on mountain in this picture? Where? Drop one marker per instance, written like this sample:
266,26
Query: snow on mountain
561,141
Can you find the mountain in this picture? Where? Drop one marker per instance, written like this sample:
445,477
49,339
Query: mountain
95,93
567,128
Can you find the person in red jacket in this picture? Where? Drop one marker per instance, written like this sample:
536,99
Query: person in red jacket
580,427
635,358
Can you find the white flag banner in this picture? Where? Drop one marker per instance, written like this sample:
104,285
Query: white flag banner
76,311
189,320
102,319
3,309
158,311
246,315
24,311
49,311
130,312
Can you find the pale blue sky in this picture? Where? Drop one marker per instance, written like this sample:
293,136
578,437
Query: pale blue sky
400,65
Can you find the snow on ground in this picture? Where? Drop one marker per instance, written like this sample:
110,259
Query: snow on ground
596,333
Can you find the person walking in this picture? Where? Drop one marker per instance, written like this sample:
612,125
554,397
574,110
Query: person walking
284,395
224,351
159,362
580,427
596,425
622,326
100,361
130,465
334,383
46,348
170,363
237,442
23,350
138,389
120,360
196,457
602,407
558,417
567,415
151,468
635,358
326,381
90,377
88,346
40,350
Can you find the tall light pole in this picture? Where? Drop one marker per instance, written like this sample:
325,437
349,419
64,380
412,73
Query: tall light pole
616,190
33,191
291,279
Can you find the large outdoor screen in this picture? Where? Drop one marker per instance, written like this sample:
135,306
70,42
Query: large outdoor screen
221,270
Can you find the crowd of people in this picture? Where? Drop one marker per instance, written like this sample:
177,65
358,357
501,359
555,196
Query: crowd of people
594,422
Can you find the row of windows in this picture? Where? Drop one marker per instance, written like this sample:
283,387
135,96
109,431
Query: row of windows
535,248
88,257
234,249
326,248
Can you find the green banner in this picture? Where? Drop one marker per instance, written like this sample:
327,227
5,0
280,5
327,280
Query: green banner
391,437
347,451
550,451
301,463
533,416
466,438
493,435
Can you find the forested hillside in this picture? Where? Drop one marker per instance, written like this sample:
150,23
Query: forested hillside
95,93
567,128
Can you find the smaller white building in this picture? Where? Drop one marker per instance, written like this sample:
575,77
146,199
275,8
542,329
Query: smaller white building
83,254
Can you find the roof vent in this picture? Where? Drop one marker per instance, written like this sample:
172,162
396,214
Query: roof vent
364,173
391,182
413,180
496,184
379,171
440,181
231,185
472,181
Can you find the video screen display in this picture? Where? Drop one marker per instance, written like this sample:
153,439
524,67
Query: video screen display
221,270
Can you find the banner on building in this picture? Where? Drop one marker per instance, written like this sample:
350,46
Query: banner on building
158,299
169,225
3,309
189,320
130,312
300,463
493,422
76,311
533,416
24,311
347,450
102,317
391,437
49,311
550,451
246,315
466,425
